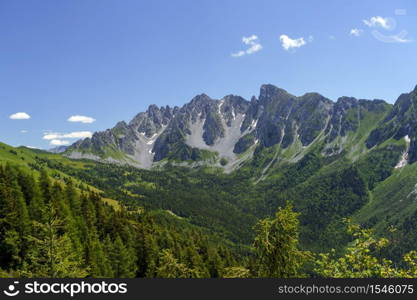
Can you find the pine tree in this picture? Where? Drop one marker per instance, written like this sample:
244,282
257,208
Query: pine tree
72,198
14,219
45,186
88,210
170,267
195,262
100,214
33,195
147,251
53,254
276,245
122,259
96,258
28,186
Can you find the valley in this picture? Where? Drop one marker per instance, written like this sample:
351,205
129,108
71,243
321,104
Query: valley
213,168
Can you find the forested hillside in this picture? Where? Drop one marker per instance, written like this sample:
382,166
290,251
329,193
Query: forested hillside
56,228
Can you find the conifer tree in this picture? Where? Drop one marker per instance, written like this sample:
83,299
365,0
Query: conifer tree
170,267
14,219
45,186
123,262
147,251
276,245
97,258
53,254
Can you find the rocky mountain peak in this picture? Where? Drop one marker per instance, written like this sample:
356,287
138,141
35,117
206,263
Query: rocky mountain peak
200,100
346,102
269,91
121,125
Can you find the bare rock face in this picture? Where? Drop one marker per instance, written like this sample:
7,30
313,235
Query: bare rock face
230,129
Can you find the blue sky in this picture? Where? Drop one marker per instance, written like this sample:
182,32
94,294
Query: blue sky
109,60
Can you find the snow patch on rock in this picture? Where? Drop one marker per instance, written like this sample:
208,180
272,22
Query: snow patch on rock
143,149
404,157
220,106
223,146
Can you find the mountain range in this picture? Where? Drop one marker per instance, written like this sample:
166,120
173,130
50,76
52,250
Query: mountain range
229,132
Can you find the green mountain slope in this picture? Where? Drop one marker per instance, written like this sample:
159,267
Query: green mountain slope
41,204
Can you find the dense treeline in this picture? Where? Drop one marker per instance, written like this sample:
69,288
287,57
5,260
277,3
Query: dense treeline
52,229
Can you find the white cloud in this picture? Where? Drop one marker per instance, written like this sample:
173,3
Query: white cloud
385,23
19,116
81,119
71,135
356,32
289,43
254,48
23,131
59,142
253,43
